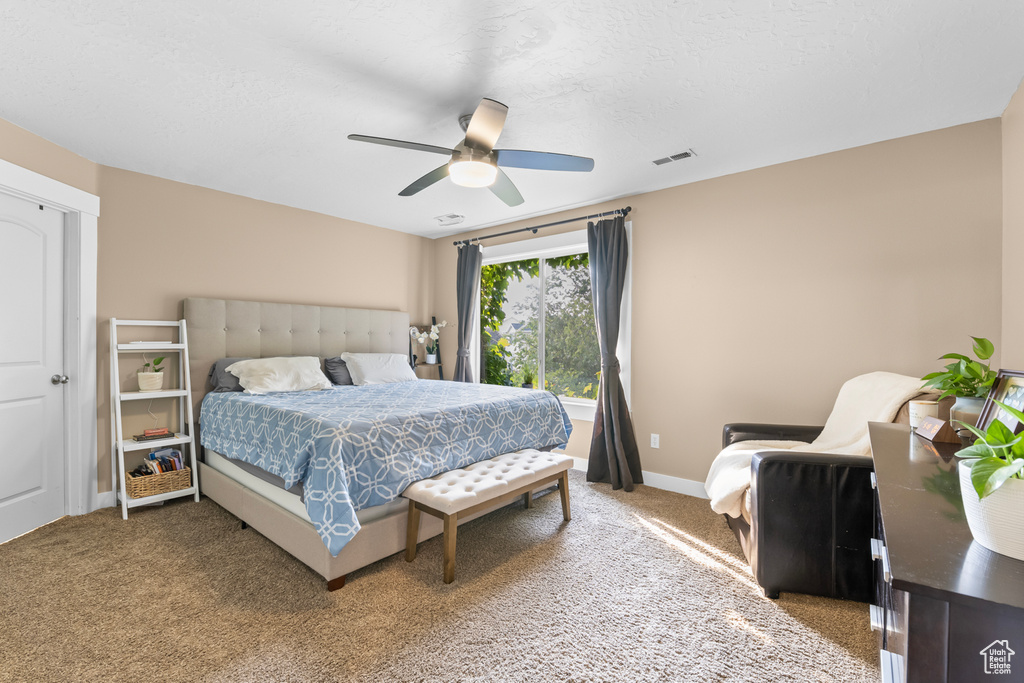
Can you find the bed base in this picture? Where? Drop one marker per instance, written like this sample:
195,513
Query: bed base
332,584
376,540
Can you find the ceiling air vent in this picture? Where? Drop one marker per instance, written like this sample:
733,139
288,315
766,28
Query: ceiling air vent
449,219
675,157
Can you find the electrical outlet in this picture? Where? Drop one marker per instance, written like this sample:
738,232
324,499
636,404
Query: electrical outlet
655,440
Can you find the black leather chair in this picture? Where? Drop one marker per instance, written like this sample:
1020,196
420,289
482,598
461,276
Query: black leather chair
811,517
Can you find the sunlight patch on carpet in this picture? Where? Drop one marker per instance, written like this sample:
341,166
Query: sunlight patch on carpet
700,556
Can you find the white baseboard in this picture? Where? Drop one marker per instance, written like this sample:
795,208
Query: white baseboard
687,487
107,499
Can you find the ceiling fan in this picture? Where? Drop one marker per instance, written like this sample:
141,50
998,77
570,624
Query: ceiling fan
475,163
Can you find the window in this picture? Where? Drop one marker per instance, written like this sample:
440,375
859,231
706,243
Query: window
537,320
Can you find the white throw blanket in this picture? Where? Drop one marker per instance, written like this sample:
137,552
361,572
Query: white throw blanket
874,397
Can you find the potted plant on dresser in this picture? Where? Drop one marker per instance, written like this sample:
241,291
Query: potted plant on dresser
968,381
151,375
992,485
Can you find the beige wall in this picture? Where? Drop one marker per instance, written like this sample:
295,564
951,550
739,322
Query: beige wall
1013,231
161,241
25,149
756,295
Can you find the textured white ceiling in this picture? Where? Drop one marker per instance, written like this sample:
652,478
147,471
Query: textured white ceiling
256,97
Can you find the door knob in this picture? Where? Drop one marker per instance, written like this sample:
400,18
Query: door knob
60,379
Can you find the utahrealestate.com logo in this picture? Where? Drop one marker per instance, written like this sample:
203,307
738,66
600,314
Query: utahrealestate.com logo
997,657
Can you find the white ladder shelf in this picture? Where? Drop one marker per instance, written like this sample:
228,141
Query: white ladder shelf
119,443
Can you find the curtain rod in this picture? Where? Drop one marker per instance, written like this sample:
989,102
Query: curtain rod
534,229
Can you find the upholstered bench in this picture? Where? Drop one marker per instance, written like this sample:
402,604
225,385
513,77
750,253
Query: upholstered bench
478,487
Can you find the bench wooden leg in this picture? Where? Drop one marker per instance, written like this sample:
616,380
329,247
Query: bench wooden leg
563,489
528,499
335,584
412,531
451,526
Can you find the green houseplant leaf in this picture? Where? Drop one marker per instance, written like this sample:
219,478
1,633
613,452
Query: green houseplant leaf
983,348
1010,409
974,430
978,450
974,369
998,453
154,366
1003,435
964,377
988,474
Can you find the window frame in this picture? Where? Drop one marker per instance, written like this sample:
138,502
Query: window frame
564,244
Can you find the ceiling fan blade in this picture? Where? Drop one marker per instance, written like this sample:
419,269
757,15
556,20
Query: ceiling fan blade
419,146
543,161
426,181
485,126
505,190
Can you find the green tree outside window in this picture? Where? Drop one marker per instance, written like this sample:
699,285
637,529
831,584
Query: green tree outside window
572,357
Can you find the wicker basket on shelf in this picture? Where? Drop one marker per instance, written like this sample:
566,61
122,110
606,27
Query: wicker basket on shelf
153,484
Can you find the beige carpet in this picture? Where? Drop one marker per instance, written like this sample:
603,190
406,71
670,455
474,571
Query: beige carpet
645,586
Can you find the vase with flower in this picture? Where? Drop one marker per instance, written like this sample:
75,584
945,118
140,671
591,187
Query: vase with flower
429,339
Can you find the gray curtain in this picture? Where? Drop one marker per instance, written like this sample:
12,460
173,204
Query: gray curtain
467,275
614,456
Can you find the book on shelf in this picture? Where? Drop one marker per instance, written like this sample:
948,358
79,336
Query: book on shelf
171,456
156,432
160,462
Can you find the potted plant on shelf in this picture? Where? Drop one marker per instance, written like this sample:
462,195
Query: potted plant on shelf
429,338
968,381
528,379
992,485
151,375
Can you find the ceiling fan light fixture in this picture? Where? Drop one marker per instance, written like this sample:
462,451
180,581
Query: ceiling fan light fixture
475,162
472,173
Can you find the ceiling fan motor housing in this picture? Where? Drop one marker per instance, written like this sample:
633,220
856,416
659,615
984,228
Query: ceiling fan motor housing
464,152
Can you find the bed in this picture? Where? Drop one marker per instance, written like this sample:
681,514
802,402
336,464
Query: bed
367,522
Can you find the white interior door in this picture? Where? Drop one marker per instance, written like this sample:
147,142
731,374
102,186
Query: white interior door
31,353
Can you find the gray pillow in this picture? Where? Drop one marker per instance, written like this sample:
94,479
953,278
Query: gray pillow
222,380
337,370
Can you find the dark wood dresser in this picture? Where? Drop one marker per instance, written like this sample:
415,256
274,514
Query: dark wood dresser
946,608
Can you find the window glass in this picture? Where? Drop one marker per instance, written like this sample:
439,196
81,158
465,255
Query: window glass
516,336
509,305
572,357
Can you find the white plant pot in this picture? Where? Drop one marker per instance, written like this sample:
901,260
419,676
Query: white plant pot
431,359
995,519
151,381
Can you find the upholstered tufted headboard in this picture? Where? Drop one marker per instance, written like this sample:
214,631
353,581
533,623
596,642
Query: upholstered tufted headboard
225,328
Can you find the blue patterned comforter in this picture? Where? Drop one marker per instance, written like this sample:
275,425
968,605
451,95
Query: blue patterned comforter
356,447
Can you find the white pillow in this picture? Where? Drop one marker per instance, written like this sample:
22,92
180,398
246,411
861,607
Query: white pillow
263,375
378,368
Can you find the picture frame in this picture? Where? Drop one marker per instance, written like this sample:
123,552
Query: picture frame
1009,389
